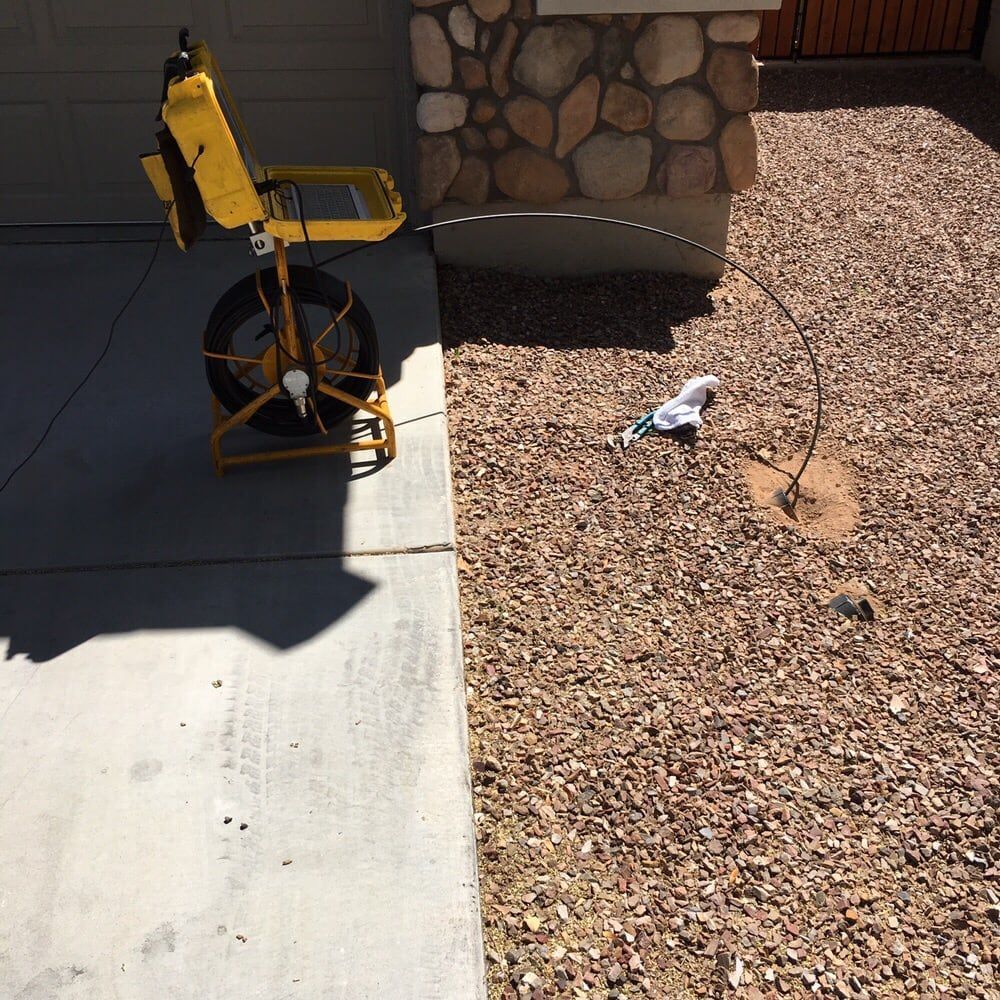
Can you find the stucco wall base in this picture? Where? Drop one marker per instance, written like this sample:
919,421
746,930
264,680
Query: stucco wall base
564,247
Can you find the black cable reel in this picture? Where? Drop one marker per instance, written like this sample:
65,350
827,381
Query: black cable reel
239,321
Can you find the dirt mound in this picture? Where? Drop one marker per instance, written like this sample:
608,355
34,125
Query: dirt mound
827,506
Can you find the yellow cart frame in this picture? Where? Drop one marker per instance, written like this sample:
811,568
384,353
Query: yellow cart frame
236,190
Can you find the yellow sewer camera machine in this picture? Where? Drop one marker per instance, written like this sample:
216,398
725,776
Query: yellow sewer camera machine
289,350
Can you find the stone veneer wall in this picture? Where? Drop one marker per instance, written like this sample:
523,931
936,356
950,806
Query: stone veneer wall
538,109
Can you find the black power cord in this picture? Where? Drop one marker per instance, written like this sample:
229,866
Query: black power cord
104,353
302,326
302,322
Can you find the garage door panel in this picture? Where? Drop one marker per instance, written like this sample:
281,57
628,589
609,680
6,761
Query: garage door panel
27,127
335,20
114,36
126,129
359,139
97,21
96,36
14,18
302,34
318,82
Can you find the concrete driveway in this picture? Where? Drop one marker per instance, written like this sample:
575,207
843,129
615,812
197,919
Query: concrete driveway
233,757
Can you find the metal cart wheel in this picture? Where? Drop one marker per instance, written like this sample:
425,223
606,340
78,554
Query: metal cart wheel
240,325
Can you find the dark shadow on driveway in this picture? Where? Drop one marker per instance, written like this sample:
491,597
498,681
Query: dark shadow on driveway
125,478
284,602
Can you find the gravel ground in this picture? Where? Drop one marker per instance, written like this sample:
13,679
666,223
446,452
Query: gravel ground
691,777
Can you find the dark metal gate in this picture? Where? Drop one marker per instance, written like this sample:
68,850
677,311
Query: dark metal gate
824,28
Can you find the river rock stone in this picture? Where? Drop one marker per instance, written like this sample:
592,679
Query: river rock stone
610,166
685,112
490,10
627,108
429,52
474,139
551,55
438,162
524,175
735,27
530,119
497,136
441,111
688,171
732,74
612,51
500,62
472,182
578,114
483,111
473,73
462,25
670,48
738,146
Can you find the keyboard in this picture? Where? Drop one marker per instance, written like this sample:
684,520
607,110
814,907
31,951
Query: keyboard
324,201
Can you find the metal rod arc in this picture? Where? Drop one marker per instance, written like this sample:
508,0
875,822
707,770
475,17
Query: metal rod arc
792,486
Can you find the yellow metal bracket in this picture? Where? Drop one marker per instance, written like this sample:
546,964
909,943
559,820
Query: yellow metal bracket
378,408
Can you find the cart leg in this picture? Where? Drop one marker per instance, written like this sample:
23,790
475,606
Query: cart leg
238,418
387,422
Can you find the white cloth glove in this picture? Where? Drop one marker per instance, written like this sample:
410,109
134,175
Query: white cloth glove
685,407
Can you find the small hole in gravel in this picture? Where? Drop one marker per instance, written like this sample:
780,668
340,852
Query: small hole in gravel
826,507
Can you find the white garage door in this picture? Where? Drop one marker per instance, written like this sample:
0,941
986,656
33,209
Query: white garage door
318,82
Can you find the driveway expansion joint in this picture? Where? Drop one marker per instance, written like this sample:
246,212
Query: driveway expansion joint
411,550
